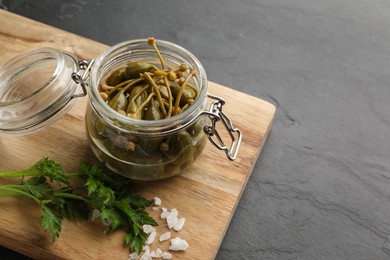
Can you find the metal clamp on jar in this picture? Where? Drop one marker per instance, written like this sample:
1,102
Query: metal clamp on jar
41,85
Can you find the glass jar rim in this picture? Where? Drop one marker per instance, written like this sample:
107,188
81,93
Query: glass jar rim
12,65
27,112
146,126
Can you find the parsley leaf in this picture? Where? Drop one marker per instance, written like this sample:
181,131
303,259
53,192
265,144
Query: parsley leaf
135,240
51,169
51,218
37,186
113,218
74,209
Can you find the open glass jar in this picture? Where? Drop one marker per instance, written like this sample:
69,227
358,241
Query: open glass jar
138,149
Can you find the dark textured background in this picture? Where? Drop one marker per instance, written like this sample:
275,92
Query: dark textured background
321,188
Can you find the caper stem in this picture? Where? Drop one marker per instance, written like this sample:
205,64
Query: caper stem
195,89
139,93
132,84
160,73
170,98
142,106
180,93
154,67
105,87
124,83
152,42
157,91
184,107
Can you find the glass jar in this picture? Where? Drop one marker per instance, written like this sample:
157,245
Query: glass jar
35,90
135,148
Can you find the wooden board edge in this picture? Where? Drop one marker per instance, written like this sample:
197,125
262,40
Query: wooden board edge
272,108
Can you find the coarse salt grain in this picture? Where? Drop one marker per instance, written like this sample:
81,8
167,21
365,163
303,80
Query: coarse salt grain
166,255
154,208
174,212
159,253
133,256
146,256
164,213
165,236
151,238
172,220
106,222
95,214
148,229
179,225
178,244
156,254
157,201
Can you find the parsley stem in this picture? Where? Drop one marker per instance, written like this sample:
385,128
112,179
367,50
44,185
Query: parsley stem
7,193
16,190
72,174
19,173
70,196
71,188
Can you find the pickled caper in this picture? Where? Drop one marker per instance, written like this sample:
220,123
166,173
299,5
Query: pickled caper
186,157
133,70
118,102
177,143
151,145
195,129
116,77
99,126
152,111
137,96
187,94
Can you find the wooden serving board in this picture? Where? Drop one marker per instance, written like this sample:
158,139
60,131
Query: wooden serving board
206,194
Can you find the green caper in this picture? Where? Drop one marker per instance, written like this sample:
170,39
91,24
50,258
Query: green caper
171,169
163,91
151,145
99,126
116,77
195,129
188,93
137,96
152,111
133,70
118,102
177,143
141,156
186,157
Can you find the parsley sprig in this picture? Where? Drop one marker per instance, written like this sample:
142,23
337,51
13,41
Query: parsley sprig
112,195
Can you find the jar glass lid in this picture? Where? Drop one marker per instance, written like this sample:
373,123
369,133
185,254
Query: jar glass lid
36,88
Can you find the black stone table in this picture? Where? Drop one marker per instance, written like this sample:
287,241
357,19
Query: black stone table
321,188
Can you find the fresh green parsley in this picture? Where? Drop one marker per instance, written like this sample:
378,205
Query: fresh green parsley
112,195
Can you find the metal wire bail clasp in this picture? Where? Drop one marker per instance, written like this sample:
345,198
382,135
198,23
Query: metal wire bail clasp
82,79
216,114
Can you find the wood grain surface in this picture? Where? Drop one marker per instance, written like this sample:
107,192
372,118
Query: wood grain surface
206,194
